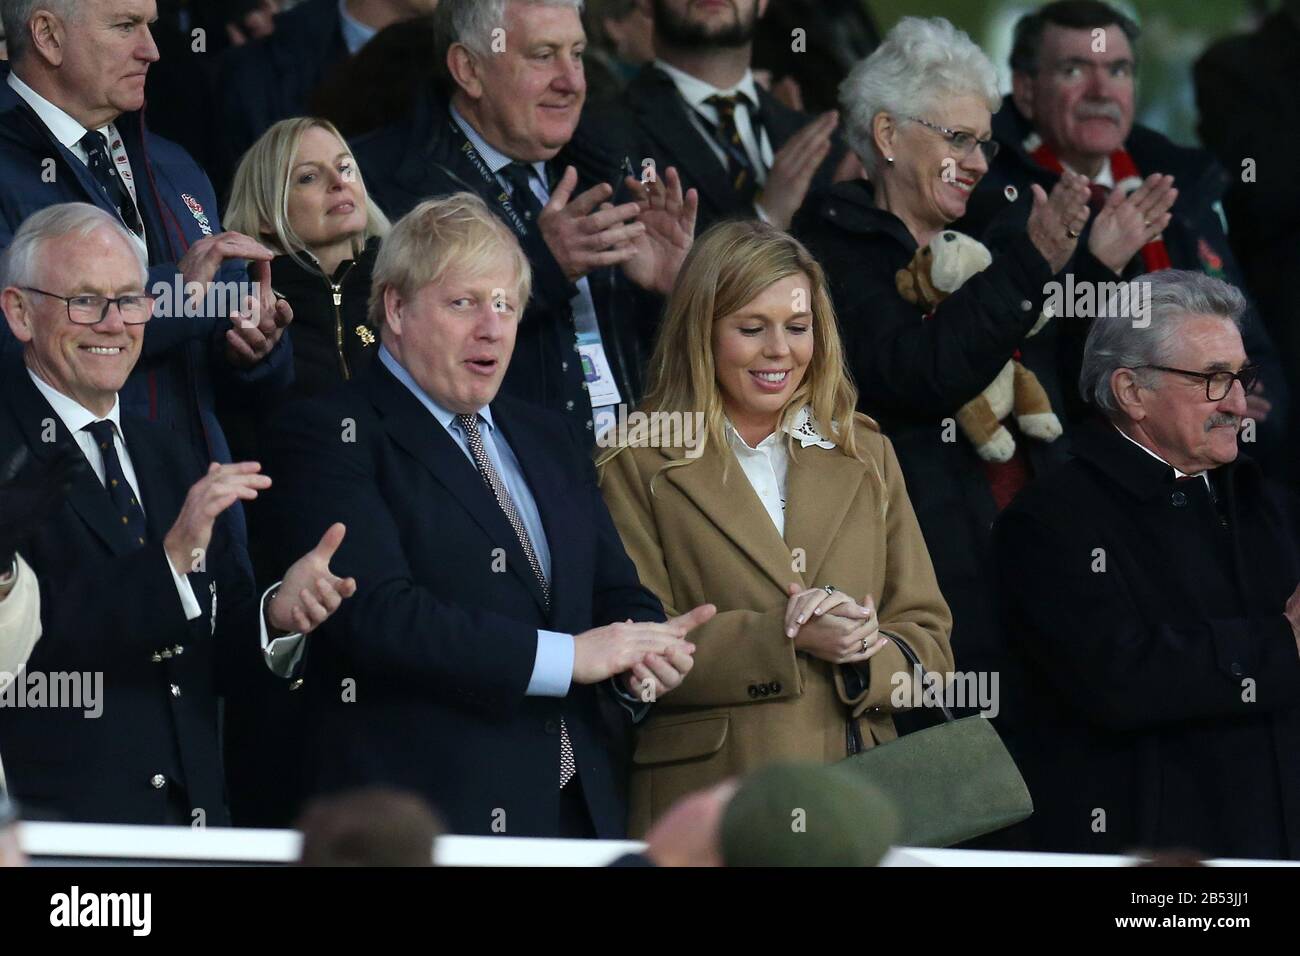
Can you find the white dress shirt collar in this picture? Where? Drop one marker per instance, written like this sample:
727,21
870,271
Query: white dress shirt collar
495,159
695,91
766,465
72,413
802,425
1177,473
445,417
65,129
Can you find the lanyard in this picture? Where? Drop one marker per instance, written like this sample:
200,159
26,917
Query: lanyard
489,179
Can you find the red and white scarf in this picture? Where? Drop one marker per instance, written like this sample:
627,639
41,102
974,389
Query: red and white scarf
1127,178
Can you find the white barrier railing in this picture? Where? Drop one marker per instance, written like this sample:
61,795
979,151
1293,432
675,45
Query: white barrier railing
125,845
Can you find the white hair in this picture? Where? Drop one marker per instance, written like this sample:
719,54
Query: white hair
17,14
921,63
472,22
22,258
1115,341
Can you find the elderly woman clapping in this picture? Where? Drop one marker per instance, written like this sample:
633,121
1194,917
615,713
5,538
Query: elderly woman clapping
918,114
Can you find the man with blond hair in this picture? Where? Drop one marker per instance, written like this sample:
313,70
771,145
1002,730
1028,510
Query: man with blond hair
495,600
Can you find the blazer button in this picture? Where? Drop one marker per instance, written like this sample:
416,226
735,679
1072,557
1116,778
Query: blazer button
166,654
176,691
776,687
764,690
156,657
753,690
568,406
552,727
1236,669
157,781
296,684
1178,499
178,650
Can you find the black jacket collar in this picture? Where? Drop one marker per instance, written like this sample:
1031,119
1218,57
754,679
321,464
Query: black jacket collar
852,206
87,495
414,428
1100,444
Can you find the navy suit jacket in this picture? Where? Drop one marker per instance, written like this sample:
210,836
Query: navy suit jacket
419,680
108,607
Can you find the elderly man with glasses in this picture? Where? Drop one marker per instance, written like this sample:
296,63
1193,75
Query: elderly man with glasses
1150,585
146,609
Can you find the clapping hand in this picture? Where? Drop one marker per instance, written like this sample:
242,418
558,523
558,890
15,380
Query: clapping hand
1127,223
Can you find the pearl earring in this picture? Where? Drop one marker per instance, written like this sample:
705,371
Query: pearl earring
890,160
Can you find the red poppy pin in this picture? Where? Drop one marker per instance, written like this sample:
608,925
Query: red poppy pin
1211,261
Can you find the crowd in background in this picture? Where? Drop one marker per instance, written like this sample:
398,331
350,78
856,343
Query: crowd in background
349,325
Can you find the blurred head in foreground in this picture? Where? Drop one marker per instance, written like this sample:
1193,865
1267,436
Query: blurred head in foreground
368,827
807,815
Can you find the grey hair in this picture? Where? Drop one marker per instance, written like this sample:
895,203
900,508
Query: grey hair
920,63
17,14
471,22
20,261
1116,341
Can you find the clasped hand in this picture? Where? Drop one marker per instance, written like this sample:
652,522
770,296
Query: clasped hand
832,626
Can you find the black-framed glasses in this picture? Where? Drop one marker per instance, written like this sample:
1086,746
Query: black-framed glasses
961,142
1217,384
92,309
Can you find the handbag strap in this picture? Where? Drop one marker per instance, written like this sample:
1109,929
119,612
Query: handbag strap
917,666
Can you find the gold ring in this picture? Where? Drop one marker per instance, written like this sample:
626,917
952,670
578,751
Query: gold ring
1071,233
866,643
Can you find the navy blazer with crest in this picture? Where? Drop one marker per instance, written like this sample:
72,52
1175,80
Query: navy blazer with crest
419,680
108,608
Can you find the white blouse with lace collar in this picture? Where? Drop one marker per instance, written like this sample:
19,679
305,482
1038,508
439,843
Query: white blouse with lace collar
766,463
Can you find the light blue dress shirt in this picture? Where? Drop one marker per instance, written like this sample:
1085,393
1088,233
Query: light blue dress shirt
553,666
355,33
584,306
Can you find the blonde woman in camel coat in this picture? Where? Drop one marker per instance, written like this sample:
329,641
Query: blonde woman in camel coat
790,515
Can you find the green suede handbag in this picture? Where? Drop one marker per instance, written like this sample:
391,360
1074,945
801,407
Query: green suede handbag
951,782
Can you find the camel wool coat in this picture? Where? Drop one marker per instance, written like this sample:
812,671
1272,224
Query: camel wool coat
751,698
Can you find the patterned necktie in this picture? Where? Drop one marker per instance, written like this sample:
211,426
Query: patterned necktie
119,489
487,471
519,175
740,170
100,162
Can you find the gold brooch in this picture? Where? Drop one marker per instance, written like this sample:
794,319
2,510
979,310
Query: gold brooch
367,337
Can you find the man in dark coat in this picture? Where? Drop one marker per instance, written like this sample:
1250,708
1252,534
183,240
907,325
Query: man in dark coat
698,108
1151,586
473,666
599,274
147,610
1072,106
